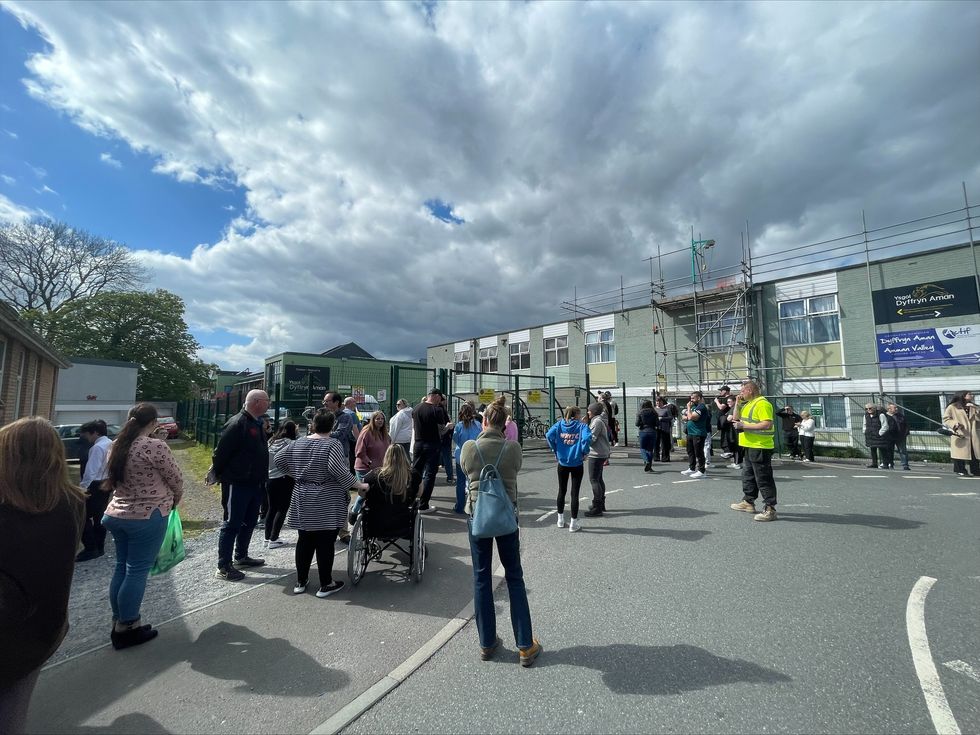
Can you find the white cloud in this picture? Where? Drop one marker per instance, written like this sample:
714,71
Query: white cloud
11,134
108,160
46,190
11,212
9,180
570,137
38,172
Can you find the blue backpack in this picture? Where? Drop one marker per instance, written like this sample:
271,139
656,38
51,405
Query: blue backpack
493,514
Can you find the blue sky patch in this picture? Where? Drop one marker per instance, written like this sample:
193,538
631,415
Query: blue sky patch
444,211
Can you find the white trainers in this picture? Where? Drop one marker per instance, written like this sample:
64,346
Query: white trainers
708,464
561,520
734,466
265,543
687,472
275,543
697,475
573,525
727,455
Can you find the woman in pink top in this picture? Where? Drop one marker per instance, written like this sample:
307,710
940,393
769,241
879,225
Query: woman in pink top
510,430
146,484
372,442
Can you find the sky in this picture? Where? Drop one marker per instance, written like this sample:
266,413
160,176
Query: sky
403,174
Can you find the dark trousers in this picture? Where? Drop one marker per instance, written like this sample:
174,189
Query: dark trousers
576,474
738,453
664,440
695,452
446,459
280,495
757,476
726,437
425,467
888,456
901,446
959,465
598,484
792,440
648,445
321,544
807,443
93,534
236,531
407,446
264,505
224,501
15,700
874,455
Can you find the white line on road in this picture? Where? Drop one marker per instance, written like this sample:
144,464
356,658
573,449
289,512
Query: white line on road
866,477
952,495
816,476
925,668
920,477
549,513
802,505
964,668
678,482
637,487
617,490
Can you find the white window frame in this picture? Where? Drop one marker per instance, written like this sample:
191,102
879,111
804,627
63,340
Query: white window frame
461,361
488,359
521,351
723,324
603,342
555,350
806,316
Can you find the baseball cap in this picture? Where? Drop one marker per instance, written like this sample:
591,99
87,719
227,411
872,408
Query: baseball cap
436,392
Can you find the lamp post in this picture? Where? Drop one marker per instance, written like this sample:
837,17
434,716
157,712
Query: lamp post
697,250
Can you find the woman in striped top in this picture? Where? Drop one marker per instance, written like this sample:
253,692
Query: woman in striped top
318,509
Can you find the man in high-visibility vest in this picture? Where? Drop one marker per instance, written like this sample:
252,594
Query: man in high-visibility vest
753,414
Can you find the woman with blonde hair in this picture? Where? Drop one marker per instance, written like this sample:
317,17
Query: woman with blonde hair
146,484
506,455
41,518
808,433
390,487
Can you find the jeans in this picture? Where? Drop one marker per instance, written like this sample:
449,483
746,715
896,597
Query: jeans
509,550
576,473
243,512
446,459
695,452
462,481
138,542
648,445
757,476
93,534
807,443
901,446
280,496
320,543
664,440
425,466
598,484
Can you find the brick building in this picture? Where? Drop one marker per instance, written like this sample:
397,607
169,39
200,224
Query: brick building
28,369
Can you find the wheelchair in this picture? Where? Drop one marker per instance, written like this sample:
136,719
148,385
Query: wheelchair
380,526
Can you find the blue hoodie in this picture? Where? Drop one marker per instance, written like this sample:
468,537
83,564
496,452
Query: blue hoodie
570,441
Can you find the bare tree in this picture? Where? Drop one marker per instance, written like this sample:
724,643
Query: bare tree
44,264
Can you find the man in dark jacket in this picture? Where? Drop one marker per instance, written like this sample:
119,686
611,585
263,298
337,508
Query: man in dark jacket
901,433
791,430
241,460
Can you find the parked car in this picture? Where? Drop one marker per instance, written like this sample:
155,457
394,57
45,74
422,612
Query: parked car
74,446
366,408
170,424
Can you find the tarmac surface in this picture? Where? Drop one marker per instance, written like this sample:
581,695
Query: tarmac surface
672,613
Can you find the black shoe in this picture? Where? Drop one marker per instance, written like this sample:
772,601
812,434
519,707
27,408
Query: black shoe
88,555
592,513
352,518
646,467
872,466
330,589
247,561
907,468
133,637
229,574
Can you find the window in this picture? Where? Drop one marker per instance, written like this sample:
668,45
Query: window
273,377
461,361
719,329
833,410
919,410
556,351
600,346
809,321
520,356
488,360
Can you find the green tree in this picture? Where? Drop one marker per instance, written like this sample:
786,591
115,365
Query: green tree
147,328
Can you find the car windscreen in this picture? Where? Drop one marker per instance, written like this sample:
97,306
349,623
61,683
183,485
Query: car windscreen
368,407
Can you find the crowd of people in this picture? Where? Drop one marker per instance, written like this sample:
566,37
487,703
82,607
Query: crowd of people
315,484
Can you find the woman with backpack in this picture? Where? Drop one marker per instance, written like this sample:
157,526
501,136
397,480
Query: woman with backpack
492,448
570,440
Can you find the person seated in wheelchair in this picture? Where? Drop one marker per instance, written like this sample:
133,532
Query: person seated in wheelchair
390,504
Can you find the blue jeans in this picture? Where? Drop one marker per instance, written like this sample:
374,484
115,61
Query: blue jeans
138,542
648,445
462,481
236,530
509,550
446,459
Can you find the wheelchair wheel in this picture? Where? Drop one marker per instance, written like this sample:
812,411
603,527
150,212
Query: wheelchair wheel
418,549
357,552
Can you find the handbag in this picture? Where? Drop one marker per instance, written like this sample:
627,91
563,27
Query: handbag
172,550
493,514
946,431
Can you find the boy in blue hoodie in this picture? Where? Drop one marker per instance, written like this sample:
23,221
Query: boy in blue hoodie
570,440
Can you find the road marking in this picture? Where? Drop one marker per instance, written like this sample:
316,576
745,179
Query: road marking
964,668
802,505
816,476
952,495
920,477
866,477
637,487
925,668
549,513
617,490
678,482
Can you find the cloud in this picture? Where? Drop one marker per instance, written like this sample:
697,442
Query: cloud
11,212
11,134
9,180
570,138
38,172
46,190
108,160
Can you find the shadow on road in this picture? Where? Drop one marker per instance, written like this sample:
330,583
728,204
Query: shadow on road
888,523
660,670
672,512
649,532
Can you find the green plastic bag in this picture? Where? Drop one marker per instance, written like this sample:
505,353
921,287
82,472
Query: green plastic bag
172,552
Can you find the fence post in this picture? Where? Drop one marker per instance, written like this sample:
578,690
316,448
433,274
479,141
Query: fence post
588,390
518,414
442,380
551,403
275,409
624,423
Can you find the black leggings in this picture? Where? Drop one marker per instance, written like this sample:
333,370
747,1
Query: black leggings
318,542
576,474
280,495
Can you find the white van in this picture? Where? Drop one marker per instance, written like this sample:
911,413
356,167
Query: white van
367,407
283,415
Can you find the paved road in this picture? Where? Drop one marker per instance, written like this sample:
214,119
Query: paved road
673,613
